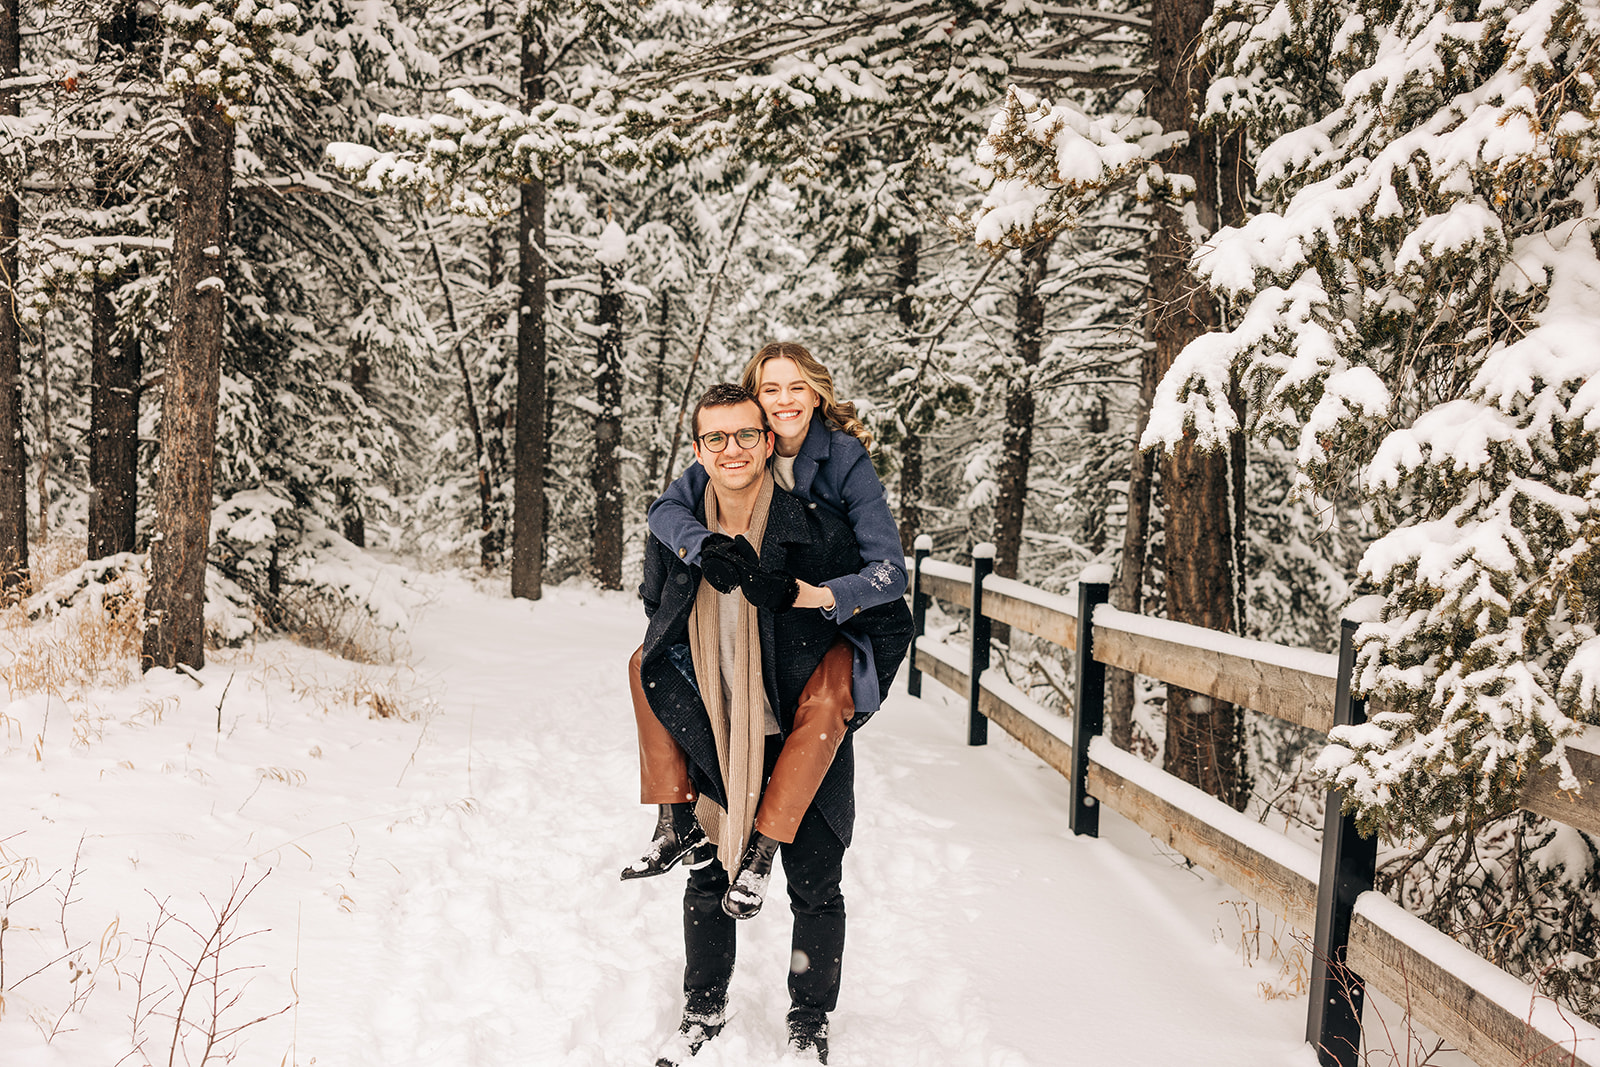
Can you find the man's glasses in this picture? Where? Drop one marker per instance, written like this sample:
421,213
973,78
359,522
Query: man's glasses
716,440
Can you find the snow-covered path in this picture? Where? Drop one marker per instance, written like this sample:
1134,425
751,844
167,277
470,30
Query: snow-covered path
444,889
981,931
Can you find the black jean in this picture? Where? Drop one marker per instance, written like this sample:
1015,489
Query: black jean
813,865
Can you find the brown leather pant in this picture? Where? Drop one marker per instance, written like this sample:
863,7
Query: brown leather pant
819,728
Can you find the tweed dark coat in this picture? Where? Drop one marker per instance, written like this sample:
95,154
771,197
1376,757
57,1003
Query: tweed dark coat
812,546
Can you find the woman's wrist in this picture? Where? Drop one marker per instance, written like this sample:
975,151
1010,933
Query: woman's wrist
813,596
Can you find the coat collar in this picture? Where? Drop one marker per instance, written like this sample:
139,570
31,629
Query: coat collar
814,452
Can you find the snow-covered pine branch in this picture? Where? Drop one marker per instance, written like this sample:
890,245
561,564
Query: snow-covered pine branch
1045,162
1421,303
225,48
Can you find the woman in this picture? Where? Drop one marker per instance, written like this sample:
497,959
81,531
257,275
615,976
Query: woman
821,457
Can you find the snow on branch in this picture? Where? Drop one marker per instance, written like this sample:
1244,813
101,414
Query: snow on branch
1045,162
223,49
476,153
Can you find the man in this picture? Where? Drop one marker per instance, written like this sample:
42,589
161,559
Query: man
731,673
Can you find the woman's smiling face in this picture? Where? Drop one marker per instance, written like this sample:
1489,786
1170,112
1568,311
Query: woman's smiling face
788,400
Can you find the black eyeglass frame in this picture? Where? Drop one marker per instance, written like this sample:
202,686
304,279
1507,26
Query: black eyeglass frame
700,439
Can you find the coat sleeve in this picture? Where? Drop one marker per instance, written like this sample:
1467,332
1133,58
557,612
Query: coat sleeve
655,576
672,517
882,578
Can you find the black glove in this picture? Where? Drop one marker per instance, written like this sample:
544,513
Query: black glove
773,590
719,567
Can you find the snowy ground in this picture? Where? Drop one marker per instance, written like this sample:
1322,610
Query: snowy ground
440,886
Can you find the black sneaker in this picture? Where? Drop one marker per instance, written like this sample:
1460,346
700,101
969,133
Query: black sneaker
670,847
808,1035
700,1024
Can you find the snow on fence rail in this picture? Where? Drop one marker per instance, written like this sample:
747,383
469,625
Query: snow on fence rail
1361,938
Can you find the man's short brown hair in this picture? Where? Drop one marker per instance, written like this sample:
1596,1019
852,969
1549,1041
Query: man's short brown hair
726,395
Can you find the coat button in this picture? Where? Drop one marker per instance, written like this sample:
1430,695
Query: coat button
812,505
682,579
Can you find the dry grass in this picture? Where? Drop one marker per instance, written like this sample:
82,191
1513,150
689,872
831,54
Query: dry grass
98,644
382,692
1274,945
87,646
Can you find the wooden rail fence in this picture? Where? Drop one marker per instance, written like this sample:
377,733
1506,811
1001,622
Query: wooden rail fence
1361,938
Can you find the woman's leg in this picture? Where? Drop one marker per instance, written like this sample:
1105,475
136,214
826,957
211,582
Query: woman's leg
825,704
663,781
663,771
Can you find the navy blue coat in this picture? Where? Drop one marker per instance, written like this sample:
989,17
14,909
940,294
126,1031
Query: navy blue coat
810,545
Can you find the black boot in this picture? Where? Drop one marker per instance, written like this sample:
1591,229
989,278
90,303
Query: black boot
808,1035
678,837
745,894
704,1016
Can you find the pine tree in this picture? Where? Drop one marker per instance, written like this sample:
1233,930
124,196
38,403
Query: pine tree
13,452
1420,302
221,59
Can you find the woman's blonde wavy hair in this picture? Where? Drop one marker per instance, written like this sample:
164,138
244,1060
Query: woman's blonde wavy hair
837,413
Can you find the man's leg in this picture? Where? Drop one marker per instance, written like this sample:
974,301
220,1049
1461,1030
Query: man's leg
708,938
708,949
813,864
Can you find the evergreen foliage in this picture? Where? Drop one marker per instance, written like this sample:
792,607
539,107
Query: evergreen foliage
1419,308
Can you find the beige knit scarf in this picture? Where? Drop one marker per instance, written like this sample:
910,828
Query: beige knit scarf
740,731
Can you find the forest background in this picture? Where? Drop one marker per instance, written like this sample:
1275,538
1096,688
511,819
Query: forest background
1266,305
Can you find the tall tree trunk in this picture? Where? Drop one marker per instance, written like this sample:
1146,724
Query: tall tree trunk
606,474
658,390
46,438
1235,185
355,518
114,369
1016,448
1128,593
175,607
1205,742
911,444
13,449
529,507
488,534
113,426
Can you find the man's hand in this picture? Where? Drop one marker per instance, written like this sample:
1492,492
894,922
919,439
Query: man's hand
772,590
717,565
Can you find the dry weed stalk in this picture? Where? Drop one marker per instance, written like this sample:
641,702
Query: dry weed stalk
21,881
207,988
94,642
319,619
383,693
1278,943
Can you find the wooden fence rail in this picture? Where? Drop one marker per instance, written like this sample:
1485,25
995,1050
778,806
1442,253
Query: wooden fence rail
1361,938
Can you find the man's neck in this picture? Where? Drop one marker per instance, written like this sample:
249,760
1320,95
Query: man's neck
735,509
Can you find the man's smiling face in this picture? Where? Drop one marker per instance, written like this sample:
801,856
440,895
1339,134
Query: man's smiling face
734,468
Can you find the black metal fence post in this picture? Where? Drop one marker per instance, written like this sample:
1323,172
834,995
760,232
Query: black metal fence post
1348,864
1089,713
982,567
919,611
